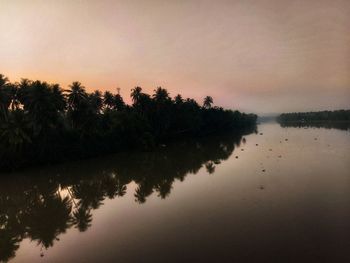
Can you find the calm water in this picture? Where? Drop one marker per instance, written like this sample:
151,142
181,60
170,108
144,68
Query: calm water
279,195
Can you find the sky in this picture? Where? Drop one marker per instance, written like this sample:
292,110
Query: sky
262,56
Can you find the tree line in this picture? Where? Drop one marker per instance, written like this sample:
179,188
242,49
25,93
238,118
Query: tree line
45,205
43,123
319,116
339,125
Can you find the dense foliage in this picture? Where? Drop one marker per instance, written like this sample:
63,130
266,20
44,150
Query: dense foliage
338,115
47,204
339,125
42,123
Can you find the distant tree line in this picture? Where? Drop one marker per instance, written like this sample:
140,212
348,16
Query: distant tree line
43,123
339,125
320,116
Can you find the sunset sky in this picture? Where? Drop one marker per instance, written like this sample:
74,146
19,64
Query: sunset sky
263,56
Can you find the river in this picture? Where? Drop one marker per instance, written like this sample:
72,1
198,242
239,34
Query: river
279,194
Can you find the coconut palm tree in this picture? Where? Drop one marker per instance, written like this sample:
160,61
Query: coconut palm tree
96,101
77,101
76,95
42,102
136,94
14,132
208,101
108,100
178,99
58,99
5,97
119,103
161,95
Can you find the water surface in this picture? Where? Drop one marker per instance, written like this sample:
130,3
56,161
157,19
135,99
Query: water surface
279,195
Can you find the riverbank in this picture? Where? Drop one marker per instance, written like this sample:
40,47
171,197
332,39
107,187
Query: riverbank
41,123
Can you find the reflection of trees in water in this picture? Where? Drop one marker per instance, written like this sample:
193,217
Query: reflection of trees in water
41,207
46,218
31,213
317,124
82,219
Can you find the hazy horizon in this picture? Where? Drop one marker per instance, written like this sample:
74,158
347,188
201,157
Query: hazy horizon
266,56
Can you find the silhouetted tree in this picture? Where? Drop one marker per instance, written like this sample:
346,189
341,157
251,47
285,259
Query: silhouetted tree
108,100
161,95
136,94
14,133
178,99
76,95
5,97
119,103
96,101
208,101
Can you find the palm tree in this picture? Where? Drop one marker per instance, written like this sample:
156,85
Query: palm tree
76,95
119,103
22,90
108,100
136,94
5,97
161,95
58,99
178,99
13,133
42,102
77,100
208,101
96,101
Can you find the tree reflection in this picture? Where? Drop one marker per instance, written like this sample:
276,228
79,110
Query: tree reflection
40,207
82,219
210,167
9,243
47,218
89,193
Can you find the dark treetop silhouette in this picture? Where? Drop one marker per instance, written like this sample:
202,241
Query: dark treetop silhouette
43,206
42,123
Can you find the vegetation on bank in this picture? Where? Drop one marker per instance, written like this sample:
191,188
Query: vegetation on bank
320,116
339,125
42,123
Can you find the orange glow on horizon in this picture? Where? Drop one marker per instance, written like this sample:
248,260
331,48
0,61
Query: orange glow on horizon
258,56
